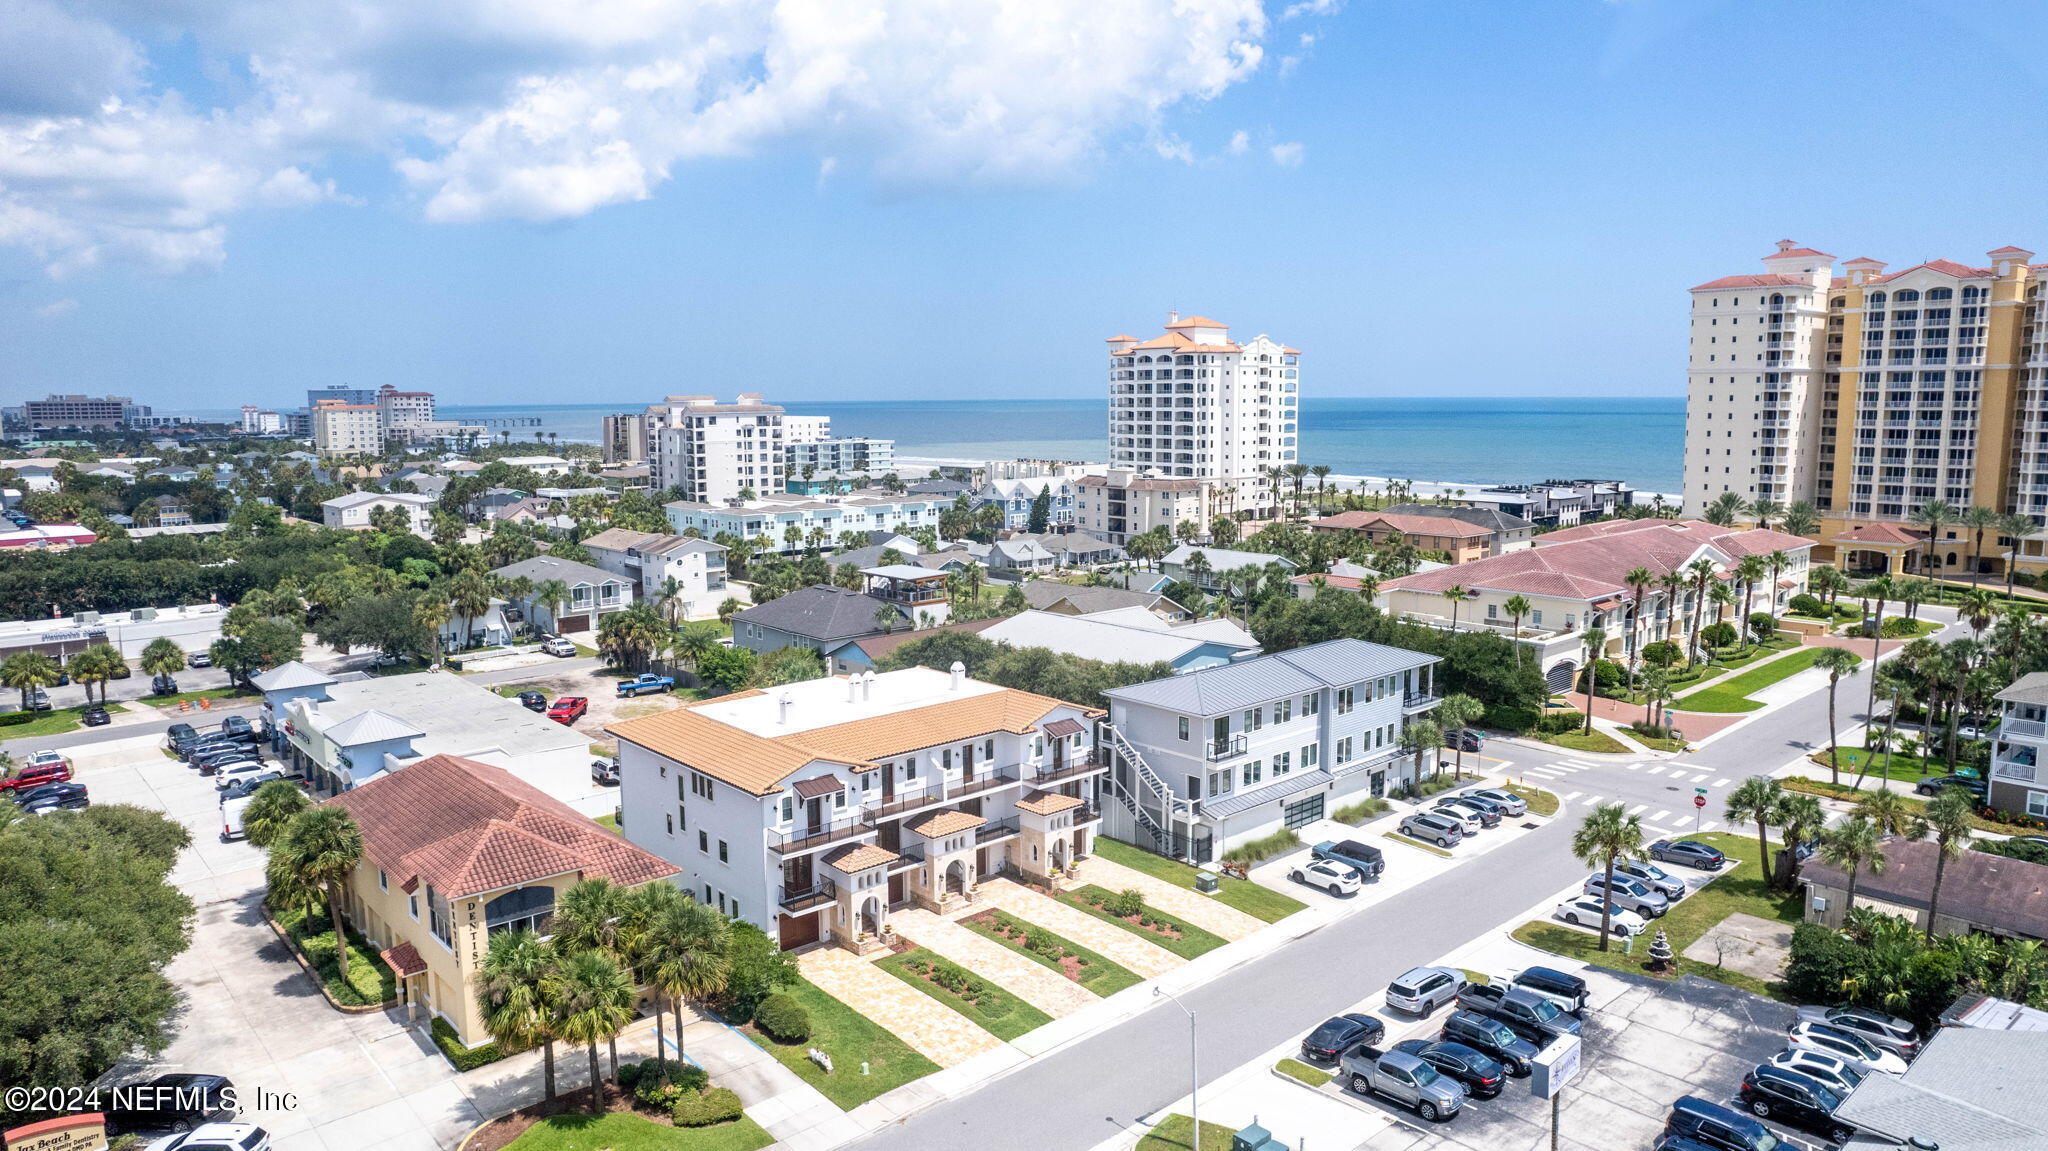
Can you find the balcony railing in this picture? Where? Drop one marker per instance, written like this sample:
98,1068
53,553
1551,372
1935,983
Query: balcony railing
987,779
2015,770
2023,729
1087,813
1000,829
903,802
1087,763
805,898
805,838
1224,747
1419,700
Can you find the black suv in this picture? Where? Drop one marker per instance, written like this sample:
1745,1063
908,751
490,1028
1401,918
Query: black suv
1338,1034
1712,1125
1795,1099
1567,991
1489,1036
533,701
1534,1017
1933,785
1482,1074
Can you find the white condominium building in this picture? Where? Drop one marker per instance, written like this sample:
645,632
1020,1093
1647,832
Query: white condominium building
398,411
1193,402
346,429
713,452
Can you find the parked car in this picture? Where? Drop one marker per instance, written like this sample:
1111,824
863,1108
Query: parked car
645,683
199,659
221,761
1421,990
53,796
1849,1047
1486,1034
1933,785
179,733
32,775
170,1102
1584,911
1718,1127
1890,1032
533,701
233,773
1480,1074
1404,1078
1689,852
244,786
556,645
163,685
217,1137
210,746
1368,859
47,758
238,727
1672,886
1468,821
1433,829
1333,1035
605,772
1327,875
1488,814
38,699
1794,1099
1629,892
1511,805
1567,991
1673,1141
1835,1073
1534,1017
1463,739
568,709
95,716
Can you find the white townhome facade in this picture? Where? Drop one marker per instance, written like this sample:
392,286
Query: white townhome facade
814,809
649,560
1207,760
768,520
712,452
2019,752
353,510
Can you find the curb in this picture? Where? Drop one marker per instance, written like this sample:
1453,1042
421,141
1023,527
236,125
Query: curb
307,967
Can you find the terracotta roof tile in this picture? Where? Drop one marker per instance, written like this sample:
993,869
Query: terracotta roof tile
403,959
1945,267
859,857
943,823
1771,280
1590,561
1406,525
1047,803
467,828
1195,322
1798,253
1882,534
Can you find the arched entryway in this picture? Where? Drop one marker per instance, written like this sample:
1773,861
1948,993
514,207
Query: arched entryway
1560,677
1059,854
956,878
871,916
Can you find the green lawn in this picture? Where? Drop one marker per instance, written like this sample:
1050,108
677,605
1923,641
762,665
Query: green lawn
999,1012
1849,792
1296,1069
1540,801
849,1038
1736,889
1731,695
1905,768
623,1131
369,981
1411,841
56,721
1092,971
609,822
1177,1133
1596,741
1248,897
1190,941
211,693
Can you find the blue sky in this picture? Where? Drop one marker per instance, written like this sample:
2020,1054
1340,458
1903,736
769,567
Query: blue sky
1475,199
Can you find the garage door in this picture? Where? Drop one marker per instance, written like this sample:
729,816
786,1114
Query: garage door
1303,812
798,930
573,623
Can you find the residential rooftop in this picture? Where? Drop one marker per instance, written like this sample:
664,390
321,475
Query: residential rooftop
1247,683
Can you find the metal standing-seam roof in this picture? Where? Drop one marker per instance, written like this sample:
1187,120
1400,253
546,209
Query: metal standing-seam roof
371,726
1242,801
290,675
1212,691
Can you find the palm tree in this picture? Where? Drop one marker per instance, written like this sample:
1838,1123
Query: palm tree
593,915
1421,736
271,810
1776,562
552,595
1888,812
1950,817
1853,845
683,956
1607,834
1596,643
1638,581
1322,474
469,596
1978,521
1837,662
1933,515
161,656
696,640
512,991
1701,574
1517,607
1764,511
1655,686
729,607
1801,816
2017,527
1977,607
1723,510
1879,590
1828,582
96,665
1756,800
1800,519
1749,569
29,670
1456,594
670,595
1458,712
310,860
593,998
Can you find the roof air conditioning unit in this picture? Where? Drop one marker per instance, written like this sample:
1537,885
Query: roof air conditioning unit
143,613
85,617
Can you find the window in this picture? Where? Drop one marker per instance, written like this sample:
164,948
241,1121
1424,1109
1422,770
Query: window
671,825
526,909
412,904
382,883
1283,763
1344,700
700,785
1283,711
1254,719
703,842
1183,729
1344,750
1311,704
788,808
1311,754
723,855
2037,803
1252,773
1194,787
439,921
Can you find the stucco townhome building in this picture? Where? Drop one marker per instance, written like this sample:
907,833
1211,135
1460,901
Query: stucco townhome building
815,809
593,593
456,851
1576,579
651,560
1207,760
353,510
1478,533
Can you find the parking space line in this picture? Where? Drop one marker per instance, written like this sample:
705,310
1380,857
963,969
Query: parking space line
1592,800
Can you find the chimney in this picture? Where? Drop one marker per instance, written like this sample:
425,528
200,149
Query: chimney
867,685
1172,318
853,689
782,702
959,674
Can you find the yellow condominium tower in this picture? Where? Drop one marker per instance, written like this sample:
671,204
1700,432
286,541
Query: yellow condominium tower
1870,395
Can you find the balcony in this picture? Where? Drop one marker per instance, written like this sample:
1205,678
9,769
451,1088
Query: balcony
2028,729
1223,747
2021,769
1415,701
990,779
809,898
805,838
1087,763
902,803
992,832
1087,813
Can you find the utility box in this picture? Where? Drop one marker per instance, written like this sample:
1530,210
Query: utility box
1256,1138
1207,883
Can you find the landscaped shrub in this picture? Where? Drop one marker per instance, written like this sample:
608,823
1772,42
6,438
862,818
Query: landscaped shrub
1264,847
1820,958
1898,627
1558,722
784,1019
460,1057
1609,674
1043,942
2019,849
1662,653
1125,903
643,1079
1804,604
1651,730
1718,634
1511,718
717,1105
1762,626
1361,811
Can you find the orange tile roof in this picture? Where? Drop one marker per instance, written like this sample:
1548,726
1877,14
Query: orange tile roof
745,760
943,823
467,828
1945,267
1169,340
1771,280
403,959
1047,803
1801,253
1195,322
1881,534
1441,526
860,857
1118,338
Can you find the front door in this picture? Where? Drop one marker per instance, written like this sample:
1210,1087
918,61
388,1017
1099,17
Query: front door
1059,754
814,815
1221,728
967,765
888,782
896,888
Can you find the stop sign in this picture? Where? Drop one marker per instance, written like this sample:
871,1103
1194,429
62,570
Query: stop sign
1699,801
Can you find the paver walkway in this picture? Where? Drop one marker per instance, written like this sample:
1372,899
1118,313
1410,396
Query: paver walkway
940,1033
1036,984
1204,911
1108,940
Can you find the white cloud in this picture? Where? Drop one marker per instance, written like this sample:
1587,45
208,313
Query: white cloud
548,109
56,309
1288,155
1311,8
1174,148
1240,142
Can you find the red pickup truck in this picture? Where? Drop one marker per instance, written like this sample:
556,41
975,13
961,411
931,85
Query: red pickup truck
568,709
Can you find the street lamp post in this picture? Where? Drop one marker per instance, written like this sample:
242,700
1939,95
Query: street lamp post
1194,1070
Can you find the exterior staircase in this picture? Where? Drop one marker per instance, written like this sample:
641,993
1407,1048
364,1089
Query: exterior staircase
1150,794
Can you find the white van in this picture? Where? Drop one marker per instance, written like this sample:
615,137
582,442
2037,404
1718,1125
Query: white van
231,818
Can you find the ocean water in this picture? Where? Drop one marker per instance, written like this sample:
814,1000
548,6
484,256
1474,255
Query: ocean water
1465,440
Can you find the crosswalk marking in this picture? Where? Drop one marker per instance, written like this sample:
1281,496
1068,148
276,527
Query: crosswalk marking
1720,783
1660,817
1635,767
1708,825
1657,770
1537,771
1593,801
1573,795
1638,809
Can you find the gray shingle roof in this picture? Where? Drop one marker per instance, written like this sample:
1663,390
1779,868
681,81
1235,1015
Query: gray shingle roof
1491,518
1041,593
1970,1090
1224,559
2029,688
540,569
818,612
1212,691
